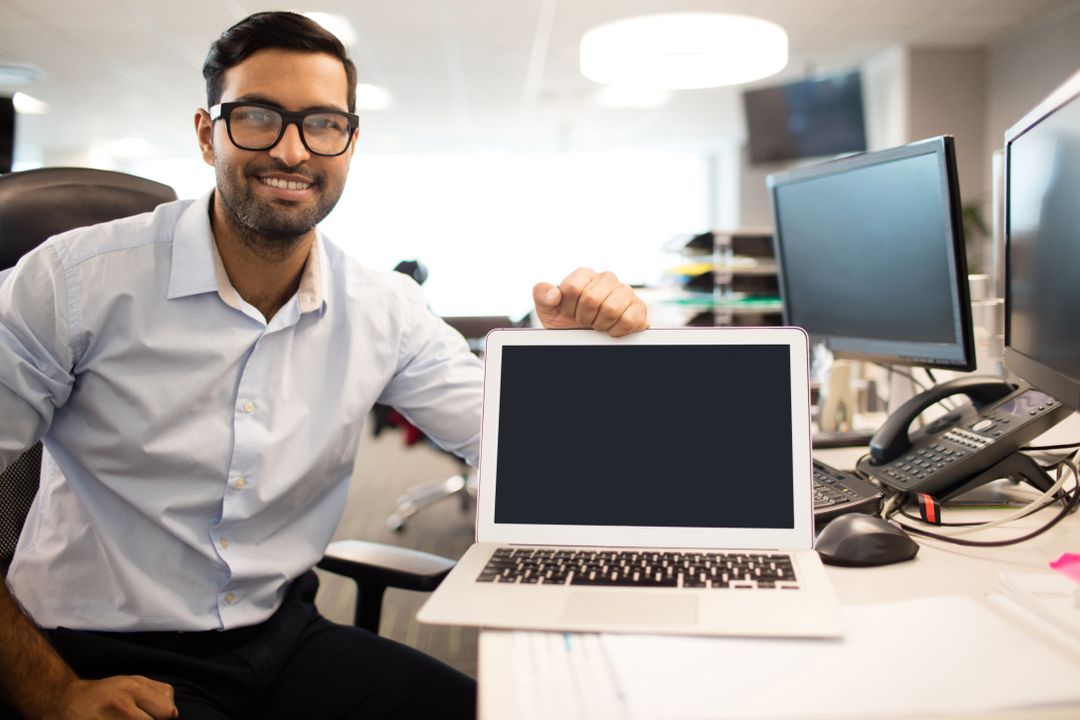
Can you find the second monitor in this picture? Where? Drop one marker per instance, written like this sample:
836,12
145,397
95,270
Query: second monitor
871,255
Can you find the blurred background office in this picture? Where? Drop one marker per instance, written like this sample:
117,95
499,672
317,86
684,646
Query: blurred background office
483,143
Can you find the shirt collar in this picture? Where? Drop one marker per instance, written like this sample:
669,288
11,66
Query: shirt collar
197,267
192,270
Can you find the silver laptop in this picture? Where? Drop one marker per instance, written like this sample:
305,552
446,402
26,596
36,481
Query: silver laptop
659,483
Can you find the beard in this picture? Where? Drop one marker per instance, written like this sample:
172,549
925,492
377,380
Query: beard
268,227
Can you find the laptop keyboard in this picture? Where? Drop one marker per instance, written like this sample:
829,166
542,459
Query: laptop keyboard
640,568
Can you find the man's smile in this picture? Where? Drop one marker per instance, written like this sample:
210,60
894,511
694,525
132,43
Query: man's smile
285,184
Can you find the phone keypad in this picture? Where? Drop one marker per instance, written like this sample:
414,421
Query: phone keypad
924,462
967,439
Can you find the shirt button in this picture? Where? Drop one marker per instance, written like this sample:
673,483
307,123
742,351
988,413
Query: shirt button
230,598
248,406
224,543
240,483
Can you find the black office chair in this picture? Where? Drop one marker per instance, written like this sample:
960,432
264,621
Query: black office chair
37,204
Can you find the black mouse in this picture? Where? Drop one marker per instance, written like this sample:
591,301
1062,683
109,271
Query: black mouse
858,540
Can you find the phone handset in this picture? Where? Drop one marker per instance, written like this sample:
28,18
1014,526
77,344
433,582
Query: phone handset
891,439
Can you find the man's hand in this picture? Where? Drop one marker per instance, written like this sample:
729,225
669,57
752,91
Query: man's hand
125,696
587,299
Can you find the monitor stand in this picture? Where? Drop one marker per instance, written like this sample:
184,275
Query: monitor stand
838,404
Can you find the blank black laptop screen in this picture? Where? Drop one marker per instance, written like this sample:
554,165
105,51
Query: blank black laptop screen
645,436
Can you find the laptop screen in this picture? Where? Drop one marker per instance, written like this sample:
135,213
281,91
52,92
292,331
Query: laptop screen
690,436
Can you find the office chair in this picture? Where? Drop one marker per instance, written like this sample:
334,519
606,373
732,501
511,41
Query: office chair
463,483
37,204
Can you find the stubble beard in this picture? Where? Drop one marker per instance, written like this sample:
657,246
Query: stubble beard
271,229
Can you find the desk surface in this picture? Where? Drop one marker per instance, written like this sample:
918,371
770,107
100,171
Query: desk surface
939,569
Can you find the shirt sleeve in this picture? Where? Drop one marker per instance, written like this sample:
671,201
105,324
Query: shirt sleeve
36,357
438,384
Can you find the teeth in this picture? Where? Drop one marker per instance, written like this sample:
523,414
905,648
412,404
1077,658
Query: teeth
286,185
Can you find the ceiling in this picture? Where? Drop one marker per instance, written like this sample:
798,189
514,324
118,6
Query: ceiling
466,75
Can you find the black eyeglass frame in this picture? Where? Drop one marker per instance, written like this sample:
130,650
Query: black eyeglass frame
222,111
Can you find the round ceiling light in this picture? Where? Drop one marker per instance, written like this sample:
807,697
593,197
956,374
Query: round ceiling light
14,75
680,51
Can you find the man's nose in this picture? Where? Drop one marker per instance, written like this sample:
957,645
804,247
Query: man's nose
290,148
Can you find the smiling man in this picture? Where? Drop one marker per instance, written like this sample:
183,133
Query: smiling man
200,376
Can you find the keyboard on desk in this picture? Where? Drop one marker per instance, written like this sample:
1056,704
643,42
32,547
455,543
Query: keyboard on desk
640,568
837,492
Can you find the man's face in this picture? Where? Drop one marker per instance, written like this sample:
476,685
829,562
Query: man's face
282,193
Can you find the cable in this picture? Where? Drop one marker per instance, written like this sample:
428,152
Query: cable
1028,509
1057,461
1068,507
905,373
1048,496
943,402
1052,447
861,474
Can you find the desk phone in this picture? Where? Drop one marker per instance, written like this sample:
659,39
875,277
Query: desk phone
949,455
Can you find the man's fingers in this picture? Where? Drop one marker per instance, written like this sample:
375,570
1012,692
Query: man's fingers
153,697
571,289
588,299
634,319
592,298
546,295
613,308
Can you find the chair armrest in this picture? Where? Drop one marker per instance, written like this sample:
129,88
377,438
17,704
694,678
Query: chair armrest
386,565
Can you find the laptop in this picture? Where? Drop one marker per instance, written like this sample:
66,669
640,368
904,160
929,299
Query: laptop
658,483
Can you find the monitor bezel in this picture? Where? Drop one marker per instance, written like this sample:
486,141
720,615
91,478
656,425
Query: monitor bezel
851,347
1032,370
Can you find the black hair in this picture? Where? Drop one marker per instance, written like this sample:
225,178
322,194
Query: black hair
277,30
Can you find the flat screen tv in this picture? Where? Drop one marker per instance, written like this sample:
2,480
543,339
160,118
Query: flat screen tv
810,118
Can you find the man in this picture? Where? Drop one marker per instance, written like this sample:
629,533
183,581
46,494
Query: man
200,376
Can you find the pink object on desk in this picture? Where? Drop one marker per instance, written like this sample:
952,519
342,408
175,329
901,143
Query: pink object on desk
1068,565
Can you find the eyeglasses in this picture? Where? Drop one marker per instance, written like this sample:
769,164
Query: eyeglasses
255,126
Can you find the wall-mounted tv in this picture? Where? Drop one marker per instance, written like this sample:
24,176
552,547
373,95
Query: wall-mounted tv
809,118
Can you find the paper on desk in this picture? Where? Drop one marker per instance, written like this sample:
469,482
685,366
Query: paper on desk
1053,598
917,657
565,676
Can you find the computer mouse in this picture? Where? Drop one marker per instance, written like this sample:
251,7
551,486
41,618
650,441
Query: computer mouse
858,540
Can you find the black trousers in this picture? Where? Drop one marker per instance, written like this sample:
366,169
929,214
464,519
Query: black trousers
295,665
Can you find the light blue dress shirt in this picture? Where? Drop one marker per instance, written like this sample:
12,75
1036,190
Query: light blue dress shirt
198,457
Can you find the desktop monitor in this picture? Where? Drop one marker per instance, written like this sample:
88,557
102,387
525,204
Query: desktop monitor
1042,245
871,255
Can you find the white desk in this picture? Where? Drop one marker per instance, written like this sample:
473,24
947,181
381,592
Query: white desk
939,569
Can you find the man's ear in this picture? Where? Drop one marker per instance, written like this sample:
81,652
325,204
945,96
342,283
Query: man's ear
204,133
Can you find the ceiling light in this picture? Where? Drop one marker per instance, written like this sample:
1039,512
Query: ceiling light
13,75
622,96
337,24
683,50
28,105
372,97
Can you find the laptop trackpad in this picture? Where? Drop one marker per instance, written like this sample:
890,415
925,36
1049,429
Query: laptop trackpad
624,608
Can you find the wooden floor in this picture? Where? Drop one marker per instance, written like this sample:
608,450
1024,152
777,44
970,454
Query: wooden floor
385,468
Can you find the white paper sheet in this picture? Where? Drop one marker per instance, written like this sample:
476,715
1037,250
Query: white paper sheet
565,676
931,655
